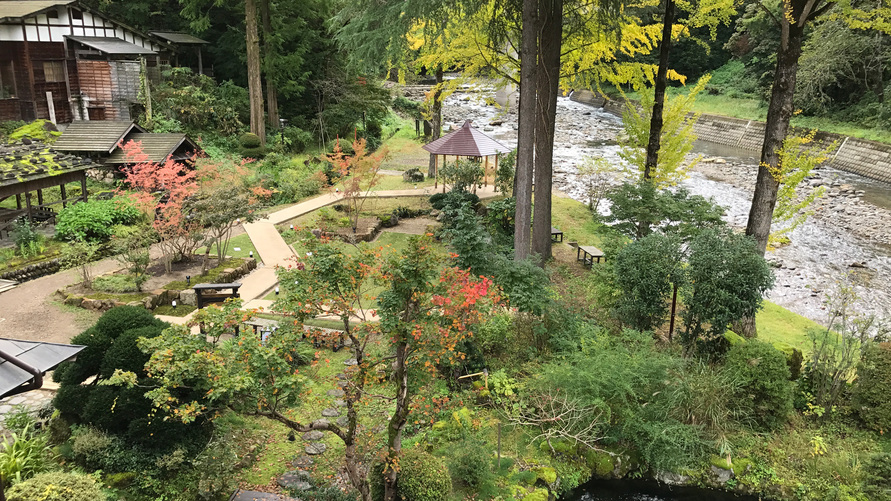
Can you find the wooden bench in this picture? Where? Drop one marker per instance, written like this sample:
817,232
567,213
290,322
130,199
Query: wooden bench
587,254
556,235
209,293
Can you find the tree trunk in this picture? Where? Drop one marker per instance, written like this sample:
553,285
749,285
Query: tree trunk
547,86
397,422
269,50
255,85
779,113
656,121
437,118
526,133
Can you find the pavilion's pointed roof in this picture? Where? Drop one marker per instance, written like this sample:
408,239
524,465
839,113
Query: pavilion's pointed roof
466,142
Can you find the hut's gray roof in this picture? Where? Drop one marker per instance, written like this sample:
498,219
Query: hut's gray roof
111,45
95,135
42,356
157,147
14,9
466,142
178,38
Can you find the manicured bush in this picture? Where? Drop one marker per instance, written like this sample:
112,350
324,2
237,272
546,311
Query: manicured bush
422,477
56,486
453,199
764,394
94,221
346,147
118,320
298,139
250,146
472,465
871,398
413,175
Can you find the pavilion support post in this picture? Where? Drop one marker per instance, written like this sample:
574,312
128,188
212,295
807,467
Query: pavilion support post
435,171
486,172
64,196
83,188
28,204
40,198
18,201
495,171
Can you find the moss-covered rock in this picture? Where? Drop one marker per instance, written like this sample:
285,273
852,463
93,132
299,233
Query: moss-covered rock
547,474
559,447
794,357
734,338
602,464
539,494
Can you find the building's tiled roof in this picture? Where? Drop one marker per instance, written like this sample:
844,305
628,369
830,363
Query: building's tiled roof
156,147
95,135
466,142
14,9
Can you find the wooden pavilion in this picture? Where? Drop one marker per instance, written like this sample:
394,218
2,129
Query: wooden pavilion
466,142
29,170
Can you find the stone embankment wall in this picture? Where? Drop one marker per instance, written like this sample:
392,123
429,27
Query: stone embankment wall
859,156
33,271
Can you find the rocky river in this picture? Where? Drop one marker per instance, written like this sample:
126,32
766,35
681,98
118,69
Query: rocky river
849,233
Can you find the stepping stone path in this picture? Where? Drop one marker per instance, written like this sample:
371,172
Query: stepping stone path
30,401
335,393
296,480
343,422
316,448
321,422
342,384
313,436
350,362
331,412
302,462
340,403
341,376
241,495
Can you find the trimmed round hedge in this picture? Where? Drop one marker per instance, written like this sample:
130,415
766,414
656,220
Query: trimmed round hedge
765,392
422,477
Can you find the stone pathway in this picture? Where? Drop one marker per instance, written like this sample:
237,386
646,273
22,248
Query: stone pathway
299,479
31,401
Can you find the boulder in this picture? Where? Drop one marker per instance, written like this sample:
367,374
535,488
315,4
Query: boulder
188,297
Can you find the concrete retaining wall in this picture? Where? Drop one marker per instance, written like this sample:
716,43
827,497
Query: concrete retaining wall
859,156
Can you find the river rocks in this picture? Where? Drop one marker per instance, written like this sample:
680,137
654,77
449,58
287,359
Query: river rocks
721,475
670,478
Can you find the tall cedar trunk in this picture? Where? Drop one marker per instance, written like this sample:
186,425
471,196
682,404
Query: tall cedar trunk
255,85
547,86
397,422
437,118
659,89
268,49
779,112
526,133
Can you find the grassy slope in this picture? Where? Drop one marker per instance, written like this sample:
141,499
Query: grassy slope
776,323
242,242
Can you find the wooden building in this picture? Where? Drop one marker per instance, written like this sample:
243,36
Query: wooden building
62,61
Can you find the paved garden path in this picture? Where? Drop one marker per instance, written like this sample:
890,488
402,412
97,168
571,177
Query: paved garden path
275,252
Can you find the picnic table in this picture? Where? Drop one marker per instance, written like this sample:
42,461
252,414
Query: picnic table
210,293
587,254
556,234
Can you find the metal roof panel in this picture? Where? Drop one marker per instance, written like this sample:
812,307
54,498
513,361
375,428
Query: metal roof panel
94,135
176,37
41,356
156,146
111,45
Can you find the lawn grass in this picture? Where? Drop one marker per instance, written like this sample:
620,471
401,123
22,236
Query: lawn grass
181,310
777,324
388,183
242,242
124,298
371,207
575,221
209,277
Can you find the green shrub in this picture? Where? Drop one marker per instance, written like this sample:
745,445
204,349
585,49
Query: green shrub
18,419
125,354
471,466
453,200
764,394
56,486
878,478
298,140
118,320
117,283
249,140
407,106
871,398
413,175
9,126
28,242
421,477
462,175
94,221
